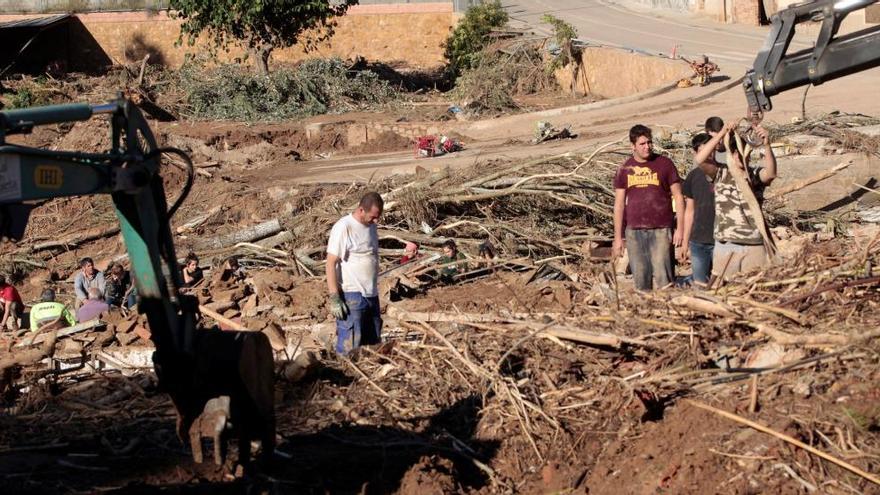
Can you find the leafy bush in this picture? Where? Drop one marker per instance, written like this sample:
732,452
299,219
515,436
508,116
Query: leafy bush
313,87
470,36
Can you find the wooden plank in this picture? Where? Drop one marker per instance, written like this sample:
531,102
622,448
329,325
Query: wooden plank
64,332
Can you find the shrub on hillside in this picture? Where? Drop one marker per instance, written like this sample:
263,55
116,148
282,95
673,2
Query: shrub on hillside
313,87
471,35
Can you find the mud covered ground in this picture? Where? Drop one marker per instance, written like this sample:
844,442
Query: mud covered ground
484,386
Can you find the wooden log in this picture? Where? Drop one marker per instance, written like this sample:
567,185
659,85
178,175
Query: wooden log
276,240
232,324
785,338
250,234
705,306
72,241
197,220
64,332
276,339
753,207
31,356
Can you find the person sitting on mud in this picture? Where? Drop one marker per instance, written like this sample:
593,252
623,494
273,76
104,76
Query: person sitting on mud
12,305
410,253
93,308
487,251
450,254
87,278
50,312
192,272
118,291
232,271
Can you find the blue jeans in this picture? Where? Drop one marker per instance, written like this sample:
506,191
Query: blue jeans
701,260
363,325
650,257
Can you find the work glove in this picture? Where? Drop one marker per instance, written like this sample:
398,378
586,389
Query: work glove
338,308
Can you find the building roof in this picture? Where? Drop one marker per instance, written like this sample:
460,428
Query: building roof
35,22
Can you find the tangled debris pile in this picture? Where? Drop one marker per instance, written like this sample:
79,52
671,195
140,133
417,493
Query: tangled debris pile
584,384
504,382
505,70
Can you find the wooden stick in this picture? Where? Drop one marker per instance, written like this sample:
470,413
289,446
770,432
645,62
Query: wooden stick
363,375
791,315
797,186
753,396
705,306
740,178
224,320
827,287
739,419
785,338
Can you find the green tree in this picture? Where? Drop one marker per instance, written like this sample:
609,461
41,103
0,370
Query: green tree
471,35
260,25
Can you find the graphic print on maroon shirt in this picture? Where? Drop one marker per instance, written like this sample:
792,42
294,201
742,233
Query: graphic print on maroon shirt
648,192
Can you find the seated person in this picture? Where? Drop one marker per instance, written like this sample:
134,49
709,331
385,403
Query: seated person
232,270
93,308
118,290
192,273
450,254
11,305
88,277
49,312
410,252
487,251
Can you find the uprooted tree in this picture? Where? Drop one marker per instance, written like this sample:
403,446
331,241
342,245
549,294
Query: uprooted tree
260,26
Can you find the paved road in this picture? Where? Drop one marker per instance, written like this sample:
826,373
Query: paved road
733,47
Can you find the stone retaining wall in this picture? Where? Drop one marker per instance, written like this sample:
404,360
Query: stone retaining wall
409,33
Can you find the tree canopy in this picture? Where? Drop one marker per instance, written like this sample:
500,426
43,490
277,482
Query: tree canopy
259,25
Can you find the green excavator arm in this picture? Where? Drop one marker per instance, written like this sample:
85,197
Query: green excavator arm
129,172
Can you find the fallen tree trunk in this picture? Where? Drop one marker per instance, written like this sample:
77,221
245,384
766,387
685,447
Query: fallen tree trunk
71,241
250,234
64,332
276,240
24,358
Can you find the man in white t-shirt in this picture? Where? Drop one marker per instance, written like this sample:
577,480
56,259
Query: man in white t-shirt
352,275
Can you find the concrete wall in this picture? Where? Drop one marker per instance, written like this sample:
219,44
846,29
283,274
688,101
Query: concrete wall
58,6
749,12
379,32
678,5
611,72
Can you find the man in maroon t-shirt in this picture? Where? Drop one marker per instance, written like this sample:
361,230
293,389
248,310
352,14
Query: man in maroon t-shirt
644,188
